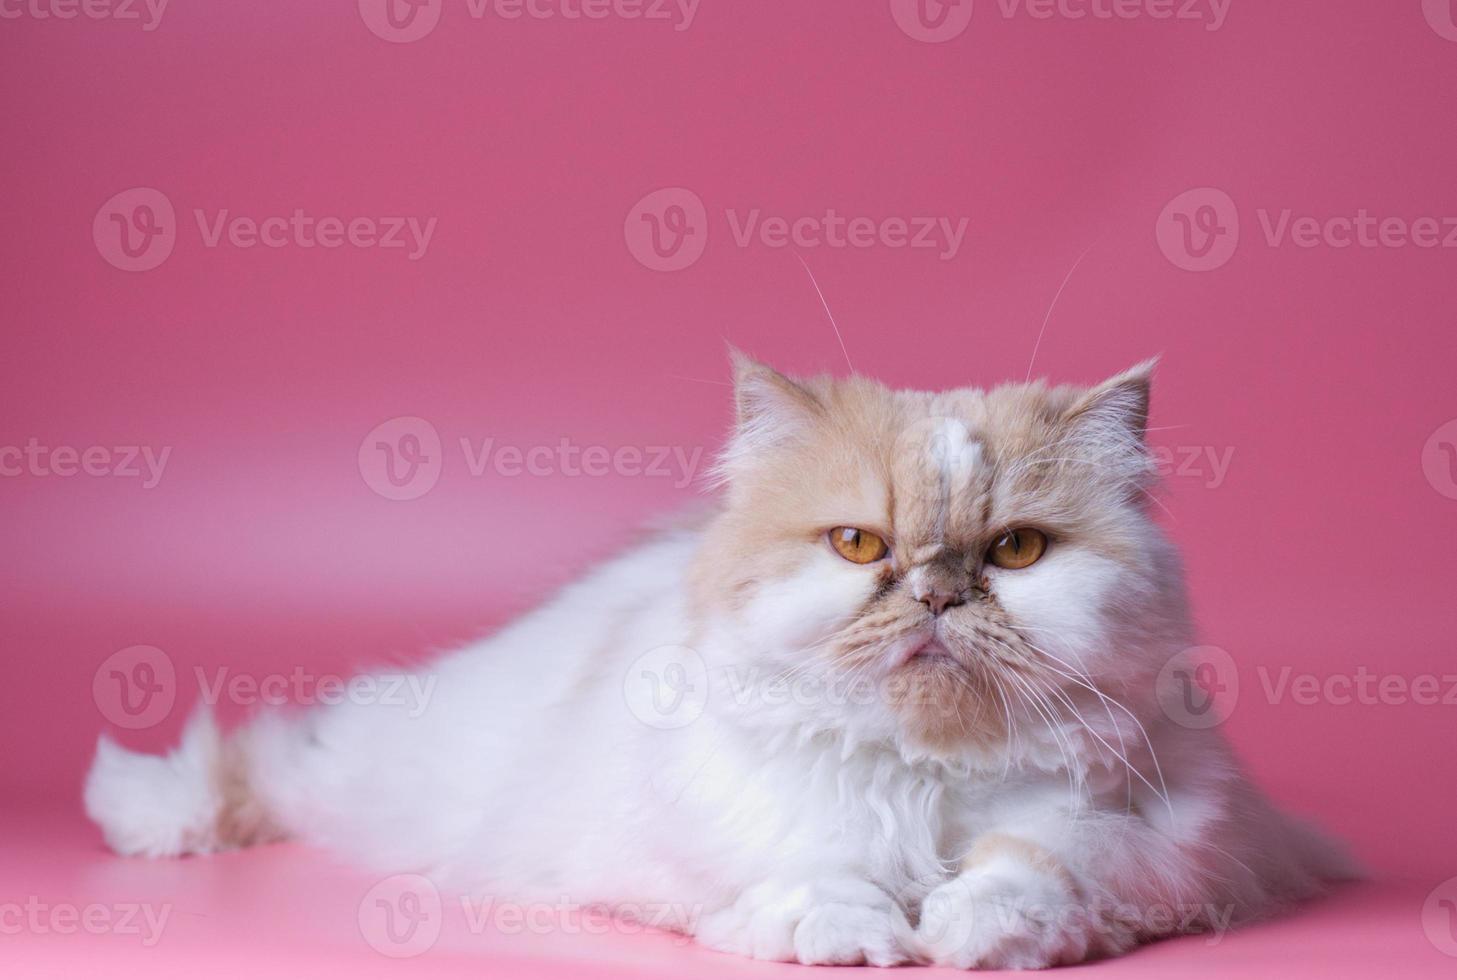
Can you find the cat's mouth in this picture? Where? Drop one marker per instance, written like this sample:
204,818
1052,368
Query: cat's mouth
926,650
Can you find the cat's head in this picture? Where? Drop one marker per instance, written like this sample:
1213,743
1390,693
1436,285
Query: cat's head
925,566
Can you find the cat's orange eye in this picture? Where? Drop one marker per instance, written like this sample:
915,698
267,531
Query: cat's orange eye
858,546
1018,548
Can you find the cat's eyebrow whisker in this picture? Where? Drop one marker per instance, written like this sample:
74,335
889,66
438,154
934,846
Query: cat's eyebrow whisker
819,292
702,381
1056,296
1092,462
1029,461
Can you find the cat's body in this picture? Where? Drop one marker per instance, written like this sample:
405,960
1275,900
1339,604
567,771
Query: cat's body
825,764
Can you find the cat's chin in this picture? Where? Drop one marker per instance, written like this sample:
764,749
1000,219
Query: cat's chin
943,702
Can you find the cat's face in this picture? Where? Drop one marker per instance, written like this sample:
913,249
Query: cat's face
926,566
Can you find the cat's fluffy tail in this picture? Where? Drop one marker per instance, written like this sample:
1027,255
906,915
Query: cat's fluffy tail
198,798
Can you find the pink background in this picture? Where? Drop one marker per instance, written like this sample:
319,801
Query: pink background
1321,373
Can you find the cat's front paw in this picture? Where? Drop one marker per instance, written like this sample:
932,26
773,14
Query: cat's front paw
1004,919
838,922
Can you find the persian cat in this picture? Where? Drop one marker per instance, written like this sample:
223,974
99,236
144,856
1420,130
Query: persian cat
907,690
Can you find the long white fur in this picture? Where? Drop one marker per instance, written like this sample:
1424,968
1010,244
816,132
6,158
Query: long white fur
793,828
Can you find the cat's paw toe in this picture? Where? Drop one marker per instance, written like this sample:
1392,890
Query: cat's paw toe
981,921
847,935
840,922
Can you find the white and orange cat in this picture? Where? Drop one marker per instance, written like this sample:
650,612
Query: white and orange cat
920,638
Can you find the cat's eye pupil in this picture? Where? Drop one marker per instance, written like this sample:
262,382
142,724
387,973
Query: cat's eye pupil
860,547
1017,548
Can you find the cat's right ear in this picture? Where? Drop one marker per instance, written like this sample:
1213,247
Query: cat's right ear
764,399
771,410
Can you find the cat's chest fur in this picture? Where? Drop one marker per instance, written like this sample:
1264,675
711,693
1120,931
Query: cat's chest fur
779,808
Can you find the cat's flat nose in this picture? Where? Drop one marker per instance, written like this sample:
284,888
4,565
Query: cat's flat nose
939,582
939,599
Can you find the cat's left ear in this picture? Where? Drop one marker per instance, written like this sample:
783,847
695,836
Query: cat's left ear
1115,412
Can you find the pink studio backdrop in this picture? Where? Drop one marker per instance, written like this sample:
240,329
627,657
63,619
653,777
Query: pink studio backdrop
1301,395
